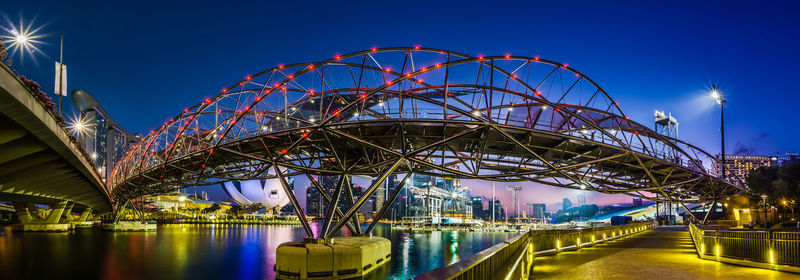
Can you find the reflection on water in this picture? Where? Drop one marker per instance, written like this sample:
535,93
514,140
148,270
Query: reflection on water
207,252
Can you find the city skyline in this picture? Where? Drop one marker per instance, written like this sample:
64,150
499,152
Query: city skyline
399,140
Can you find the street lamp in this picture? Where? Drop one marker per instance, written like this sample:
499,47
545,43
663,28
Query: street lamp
764,200
23,39
716,94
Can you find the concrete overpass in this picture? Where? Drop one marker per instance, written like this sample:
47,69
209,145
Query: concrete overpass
39,161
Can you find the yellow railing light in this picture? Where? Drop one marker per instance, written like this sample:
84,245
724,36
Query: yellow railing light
771,257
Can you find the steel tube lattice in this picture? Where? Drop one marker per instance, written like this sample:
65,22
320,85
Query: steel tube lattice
442,113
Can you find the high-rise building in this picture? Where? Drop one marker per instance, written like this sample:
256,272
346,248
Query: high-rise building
477,208
328,184
739,166
537,211
383,191
499,212
314,202
567,204
105,140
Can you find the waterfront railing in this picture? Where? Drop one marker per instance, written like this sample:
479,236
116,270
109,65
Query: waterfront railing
513,259
769,249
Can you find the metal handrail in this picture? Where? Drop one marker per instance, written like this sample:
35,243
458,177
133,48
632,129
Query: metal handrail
489,263
783,249
519,258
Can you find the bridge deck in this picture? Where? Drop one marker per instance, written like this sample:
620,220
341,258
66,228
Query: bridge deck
664,253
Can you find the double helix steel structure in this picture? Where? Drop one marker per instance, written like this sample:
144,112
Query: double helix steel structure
418,110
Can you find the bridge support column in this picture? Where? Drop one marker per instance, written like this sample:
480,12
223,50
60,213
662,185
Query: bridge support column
34,222
23,215
66,217
56,212
118,225
36,212
82,222
85,215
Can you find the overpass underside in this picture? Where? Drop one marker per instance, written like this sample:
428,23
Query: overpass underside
31,171
39,163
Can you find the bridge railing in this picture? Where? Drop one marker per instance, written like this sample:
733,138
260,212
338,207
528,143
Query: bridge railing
769,247
513,259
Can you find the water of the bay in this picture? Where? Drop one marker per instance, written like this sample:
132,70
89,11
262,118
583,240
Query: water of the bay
207,252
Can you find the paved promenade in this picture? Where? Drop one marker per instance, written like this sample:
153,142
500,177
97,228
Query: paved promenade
664,253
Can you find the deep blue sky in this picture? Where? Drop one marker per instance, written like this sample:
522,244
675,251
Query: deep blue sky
145,62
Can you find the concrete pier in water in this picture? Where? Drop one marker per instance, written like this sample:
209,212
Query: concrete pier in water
128,226
336,258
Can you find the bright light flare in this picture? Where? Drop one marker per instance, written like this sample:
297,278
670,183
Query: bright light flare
717,95
22,39
79,126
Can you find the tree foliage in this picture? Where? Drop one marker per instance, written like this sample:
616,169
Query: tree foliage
214,208
778,183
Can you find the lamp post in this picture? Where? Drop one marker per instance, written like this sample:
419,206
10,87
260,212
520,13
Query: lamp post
716,94
25,38
764,200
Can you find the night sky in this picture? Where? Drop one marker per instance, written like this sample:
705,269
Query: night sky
145,62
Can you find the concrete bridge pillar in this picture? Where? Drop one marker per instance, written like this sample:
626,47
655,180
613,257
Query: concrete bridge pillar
85,214
31,218
36,212
66,217
23,215
56,212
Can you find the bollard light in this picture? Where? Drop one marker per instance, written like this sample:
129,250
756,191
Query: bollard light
530,252
771,257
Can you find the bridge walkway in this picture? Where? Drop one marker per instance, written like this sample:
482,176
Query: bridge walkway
663,253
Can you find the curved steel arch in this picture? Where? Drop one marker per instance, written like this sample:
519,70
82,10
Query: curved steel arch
438,112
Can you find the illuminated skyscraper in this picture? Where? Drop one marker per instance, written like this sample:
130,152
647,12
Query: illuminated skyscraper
739,166
104,140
